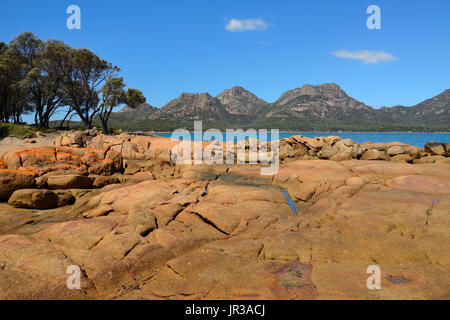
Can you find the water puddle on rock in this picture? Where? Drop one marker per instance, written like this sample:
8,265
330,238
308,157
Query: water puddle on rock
289,201
397,279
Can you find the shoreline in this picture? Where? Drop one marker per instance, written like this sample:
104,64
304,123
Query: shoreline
418,139
146,132
121,205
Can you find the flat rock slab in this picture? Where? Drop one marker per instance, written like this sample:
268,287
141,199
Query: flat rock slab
34,199
69,182
420,184
201,237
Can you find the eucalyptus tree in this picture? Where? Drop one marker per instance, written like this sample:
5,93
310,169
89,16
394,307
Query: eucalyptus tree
54,57
114,95
43,79
4,84
92,88
13,93
84,76
43,76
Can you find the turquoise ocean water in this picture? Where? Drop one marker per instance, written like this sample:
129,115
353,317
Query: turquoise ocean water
415,139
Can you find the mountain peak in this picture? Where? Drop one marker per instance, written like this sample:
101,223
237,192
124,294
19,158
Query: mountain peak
239,101
326,89
438,102
236,91
324,101
324,106
193,106
191,95
329,86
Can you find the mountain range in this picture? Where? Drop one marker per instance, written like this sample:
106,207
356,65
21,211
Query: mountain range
324,107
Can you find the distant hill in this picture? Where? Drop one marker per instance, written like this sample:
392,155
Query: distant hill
433,112
240,102
326,103
142,111
324,107
193,106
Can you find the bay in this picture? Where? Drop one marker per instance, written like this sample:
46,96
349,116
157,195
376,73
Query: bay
418,139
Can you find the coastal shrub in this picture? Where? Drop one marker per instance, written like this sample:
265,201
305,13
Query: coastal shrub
16,130
292,284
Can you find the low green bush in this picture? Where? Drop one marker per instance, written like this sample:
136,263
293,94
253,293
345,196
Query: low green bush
16,130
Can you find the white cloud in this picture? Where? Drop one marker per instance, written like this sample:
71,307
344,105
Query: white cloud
237,25
366,56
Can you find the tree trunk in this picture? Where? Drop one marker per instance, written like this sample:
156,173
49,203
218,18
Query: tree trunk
88,124
84,119
105,126
65,117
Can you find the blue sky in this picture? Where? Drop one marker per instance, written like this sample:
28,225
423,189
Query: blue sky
168,47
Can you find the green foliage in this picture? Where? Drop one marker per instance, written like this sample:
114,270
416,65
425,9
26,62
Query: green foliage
291,284
44,76
13,97
294,273
16,130
113,95
134,98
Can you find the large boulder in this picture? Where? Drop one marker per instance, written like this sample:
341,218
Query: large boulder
301,191
413,151
447,148
11,160
435,148
430,159
140,177
102,181
116,157
395,150
37,157
77,139
29,157
52,159
132,147
380,146
331,140
314,144
71,181
11,180
102,141
346,143
91,156
131,168
65,197
34,199
374,154
104,167
327,152
402,158
342,156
